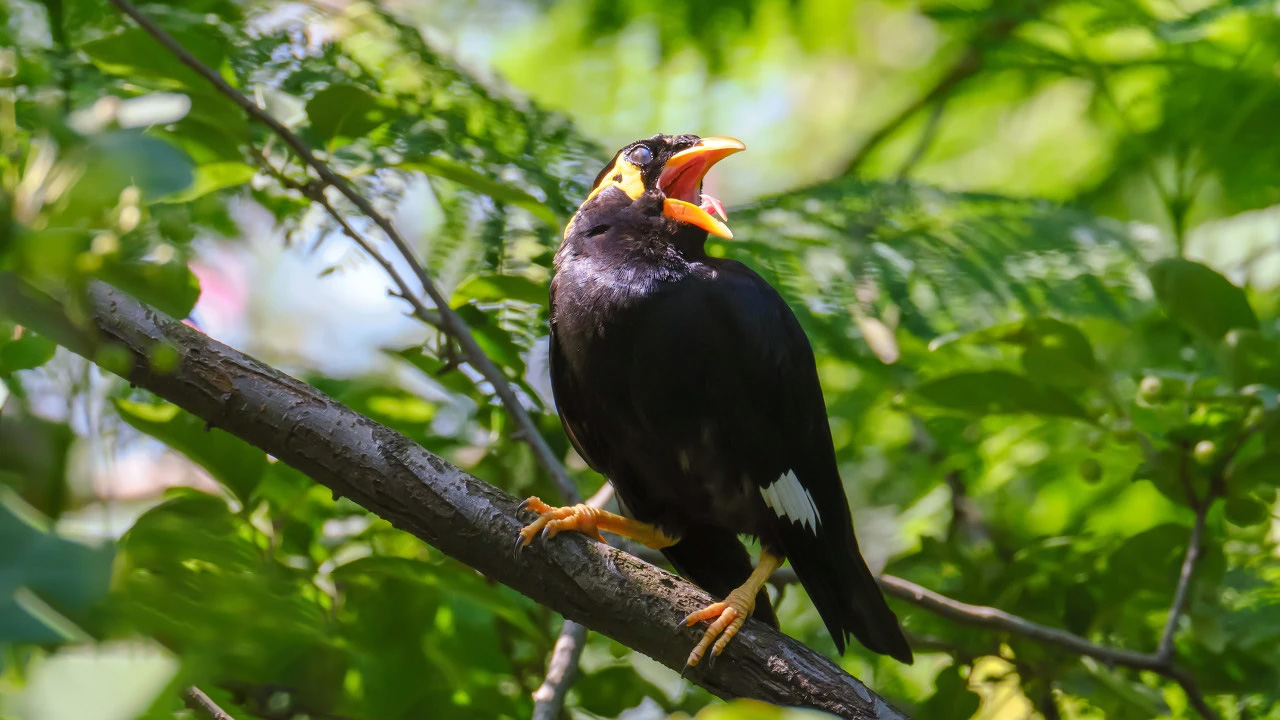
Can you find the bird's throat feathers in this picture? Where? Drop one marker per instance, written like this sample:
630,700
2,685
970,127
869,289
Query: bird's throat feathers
613,227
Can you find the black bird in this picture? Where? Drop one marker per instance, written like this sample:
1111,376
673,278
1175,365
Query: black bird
687,381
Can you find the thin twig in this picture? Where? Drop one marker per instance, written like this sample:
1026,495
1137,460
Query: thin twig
1192,691
992,619
978,615
204,708
562,668
995,619
1165,649
927,136
466,518
968,66
548,699
450,322
995,31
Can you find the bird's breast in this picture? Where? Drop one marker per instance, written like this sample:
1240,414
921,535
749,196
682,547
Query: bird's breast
648,359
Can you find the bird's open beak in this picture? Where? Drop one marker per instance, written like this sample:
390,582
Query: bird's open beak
681,181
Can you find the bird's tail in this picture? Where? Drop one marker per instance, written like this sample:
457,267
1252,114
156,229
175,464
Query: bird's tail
865,614
843,589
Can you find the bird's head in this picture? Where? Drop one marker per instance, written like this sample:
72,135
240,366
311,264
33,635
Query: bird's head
662,177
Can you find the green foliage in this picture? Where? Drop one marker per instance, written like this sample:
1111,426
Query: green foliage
238,466
1028,398
49,585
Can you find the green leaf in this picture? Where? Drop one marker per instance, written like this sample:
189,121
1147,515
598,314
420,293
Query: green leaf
46,581
994,392
170,286
33,457
135,54
1261,471
1118,696
115,681
29,351
1054,351
497,288
1248,358
344,111
199,576
231,461
1200,299
116,160
214,176
612,689
951,697
1245,511
496,189
496,342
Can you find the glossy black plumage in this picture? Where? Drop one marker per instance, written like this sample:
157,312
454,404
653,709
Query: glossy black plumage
687,381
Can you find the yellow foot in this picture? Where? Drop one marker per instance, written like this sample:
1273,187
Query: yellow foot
590,521
552,520
727,616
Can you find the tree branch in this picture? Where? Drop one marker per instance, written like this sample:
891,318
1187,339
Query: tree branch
204,708
474,522
927,136
449,321
548,699
1001,621
1194,545
562,668
1194,697
994,31
995,619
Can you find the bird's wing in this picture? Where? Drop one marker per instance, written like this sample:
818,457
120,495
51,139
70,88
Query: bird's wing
806,497
569,398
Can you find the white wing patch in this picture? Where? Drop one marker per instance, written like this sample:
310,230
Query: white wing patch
791,501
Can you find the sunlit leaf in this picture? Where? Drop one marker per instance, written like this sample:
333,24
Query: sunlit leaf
29,351
996,392
47,584
496,288
502,192
344,111
1200,299
230,460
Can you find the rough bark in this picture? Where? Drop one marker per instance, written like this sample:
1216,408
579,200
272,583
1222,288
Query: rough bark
603,588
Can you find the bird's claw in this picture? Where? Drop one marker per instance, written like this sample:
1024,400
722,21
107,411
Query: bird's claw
727,618
553,520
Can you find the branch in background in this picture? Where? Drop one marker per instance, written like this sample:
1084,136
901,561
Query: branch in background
994,619
927,136
1195,698
1001,621
449,321
548,699
470,520
202,706
443,317
1194,545
562,668
992,33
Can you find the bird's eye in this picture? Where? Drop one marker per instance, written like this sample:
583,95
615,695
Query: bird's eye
640,155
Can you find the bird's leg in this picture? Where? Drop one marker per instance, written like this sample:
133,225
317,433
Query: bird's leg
589,521
728,616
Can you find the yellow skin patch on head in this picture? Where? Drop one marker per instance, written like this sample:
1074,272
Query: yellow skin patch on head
622,175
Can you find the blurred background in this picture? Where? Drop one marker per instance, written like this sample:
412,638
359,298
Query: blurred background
1035,243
